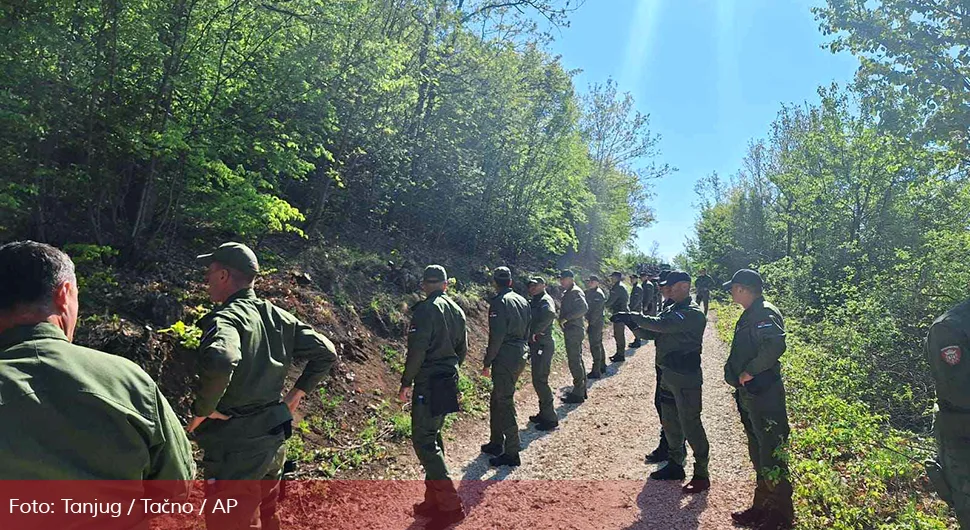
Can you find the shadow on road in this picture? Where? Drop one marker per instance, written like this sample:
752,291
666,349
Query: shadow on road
663,506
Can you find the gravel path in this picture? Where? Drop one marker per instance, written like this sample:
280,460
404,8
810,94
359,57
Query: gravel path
590,473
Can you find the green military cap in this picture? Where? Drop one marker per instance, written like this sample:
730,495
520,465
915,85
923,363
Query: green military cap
616,274
593,278
233,255
537,280
502,273
746,277
566,273
675,277
434,274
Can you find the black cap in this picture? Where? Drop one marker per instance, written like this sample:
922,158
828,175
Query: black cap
746,277
566,274
663,275
675,277
434,274
616,274
536,280
593,278
233,255
502,273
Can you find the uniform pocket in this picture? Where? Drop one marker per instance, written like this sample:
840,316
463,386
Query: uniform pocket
443,390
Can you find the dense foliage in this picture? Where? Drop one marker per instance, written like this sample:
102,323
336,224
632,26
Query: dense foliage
129,123
855,209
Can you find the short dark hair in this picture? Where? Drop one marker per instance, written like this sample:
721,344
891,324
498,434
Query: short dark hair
29,273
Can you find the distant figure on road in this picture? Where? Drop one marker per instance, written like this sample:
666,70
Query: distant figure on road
703,285
754,371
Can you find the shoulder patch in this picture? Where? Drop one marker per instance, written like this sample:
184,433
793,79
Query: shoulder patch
764,324
679,314
951,355
412,329
492,314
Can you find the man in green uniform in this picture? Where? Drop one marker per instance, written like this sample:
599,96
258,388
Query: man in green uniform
636,304
703,285
946,343
618,302
68,412
541,349
596,300
649,295
679,335
246,351
509,317
753,369
437,344
571,313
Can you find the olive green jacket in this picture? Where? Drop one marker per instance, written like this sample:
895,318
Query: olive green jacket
573,308
246,351
759,341
946,348
543,315
73,413
636,298
619,300
437,339
509,317
680,336
596,299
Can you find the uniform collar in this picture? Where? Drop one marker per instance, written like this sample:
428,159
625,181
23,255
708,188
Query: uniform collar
758,303
683,303
503,291
19,334
435,294
242,294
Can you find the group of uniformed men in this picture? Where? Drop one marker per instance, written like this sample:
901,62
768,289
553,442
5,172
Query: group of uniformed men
120,427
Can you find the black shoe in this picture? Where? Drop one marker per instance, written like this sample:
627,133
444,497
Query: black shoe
505,460
594,375
751,517
774,521
547,425
618,358
426,509
443,520
671,471
535,419
493,449
573,398
657,456
697,485
635,344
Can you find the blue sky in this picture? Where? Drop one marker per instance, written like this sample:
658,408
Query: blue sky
712,74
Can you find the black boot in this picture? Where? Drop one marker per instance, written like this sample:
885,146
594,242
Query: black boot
618,358
635,344
426,509
594,375
671,471
547,425
750,518
697,485
493,449
534,419
505,460
573,398
774,521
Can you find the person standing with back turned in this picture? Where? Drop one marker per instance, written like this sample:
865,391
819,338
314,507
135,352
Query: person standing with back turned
571,314
69,412
596,301
541,349
618,302
246,351
509,316
437,344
